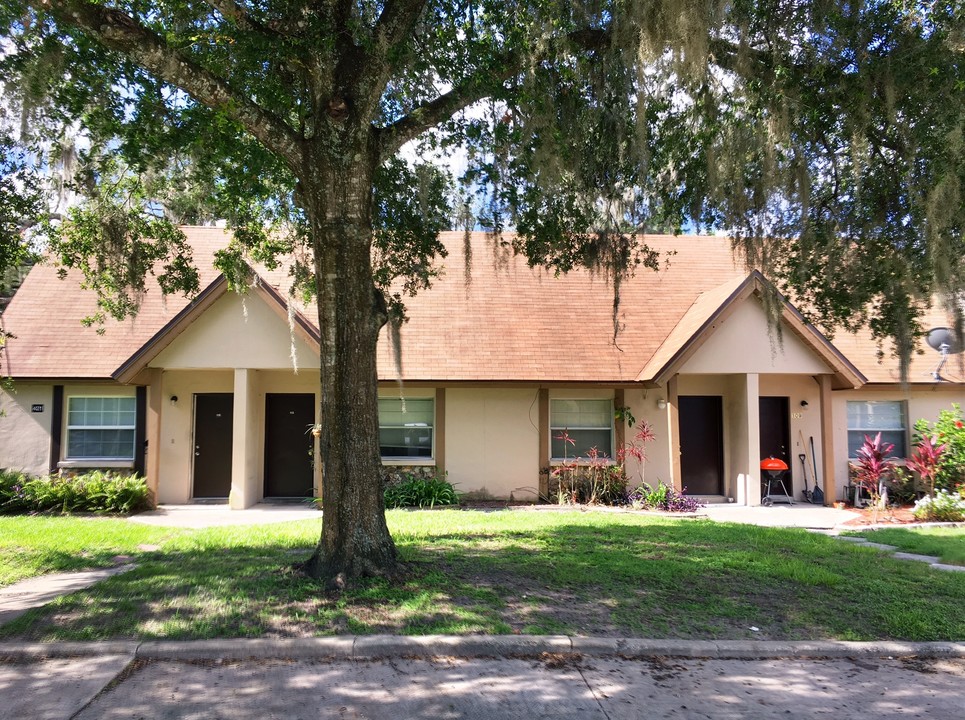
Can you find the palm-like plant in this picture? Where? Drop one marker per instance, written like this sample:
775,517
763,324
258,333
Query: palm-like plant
925,461
874,464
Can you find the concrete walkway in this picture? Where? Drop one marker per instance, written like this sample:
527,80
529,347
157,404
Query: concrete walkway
204,515
486,678
933,560
798,515
20,597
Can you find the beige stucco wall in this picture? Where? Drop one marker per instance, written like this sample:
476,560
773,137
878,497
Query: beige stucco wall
920,403
742,442
25,435
492,441
236,332
177,426
745,344
643,405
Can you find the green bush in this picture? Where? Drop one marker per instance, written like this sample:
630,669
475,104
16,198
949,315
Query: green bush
943,507
93,492
948,430
420,492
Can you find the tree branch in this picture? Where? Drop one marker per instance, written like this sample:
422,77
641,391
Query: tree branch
478,86
394,26
118,31
236,13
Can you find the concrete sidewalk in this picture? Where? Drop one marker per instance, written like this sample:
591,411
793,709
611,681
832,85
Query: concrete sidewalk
204,515
20,597
531,684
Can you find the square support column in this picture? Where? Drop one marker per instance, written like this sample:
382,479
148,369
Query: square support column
543,471
245,473
152,460
673,423
746,441
827,441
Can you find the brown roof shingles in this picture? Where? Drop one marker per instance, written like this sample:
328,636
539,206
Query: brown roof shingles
46,314
508,322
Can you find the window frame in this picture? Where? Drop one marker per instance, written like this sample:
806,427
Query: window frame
554,429
410,459
871,432
102,460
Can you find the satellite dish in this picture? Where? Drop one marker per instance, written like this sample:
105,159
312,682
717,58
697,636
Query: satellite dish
944,341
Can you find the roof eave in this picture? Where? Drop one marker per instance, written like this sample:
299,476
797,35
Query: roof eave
846,375
141,358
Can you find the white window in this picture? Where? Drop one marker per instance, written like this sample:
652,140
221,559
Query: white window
405,427
100,428
869,417
587,423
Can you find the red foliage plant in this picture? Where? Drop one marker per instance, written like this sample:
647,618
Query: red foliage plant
925,460
874,464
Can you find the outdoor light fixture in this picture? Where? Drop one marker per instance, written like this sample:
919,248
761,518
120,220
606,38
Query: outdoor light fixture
804,403
661,404
174,400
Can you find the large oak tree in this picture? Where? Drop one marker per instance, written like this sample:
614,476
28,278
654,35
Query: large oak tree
827,137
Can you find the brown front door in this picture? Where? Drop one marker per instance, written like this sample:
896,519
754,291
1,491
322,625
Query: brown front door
776,433
213,421
289,445
702,444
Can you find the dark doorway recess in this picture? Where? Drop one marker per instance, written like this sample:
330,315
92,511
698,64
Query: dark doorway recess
289,445
213,422
702,444
776,433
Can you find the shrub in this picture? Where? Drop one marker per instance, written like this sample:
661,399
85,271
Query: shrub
420,492
596,479
942,507
874,467
902,487
592,482
663,497
949,430
93,492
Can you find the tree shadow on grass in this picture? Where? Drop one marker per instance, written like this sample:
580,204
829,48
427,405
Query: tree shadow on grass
688,580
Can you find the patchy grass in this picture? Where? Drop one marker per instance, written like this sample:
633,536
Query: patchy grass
520,571
36,545
948,543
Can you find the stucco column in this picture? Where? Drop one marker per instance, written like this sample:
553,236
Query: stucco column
746,441
673,426
245,475
827,441
543,472
155,405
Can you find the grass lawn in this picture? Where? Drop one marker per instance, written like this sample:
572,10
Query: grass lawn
948,543
519,571
32,546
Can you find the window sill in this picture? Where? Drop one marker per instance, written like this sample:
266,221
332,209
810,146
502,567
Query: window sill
580,462
95,463
414,461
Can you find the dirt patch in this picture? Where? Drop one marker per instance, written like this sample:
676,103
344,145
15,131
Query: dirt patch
891,515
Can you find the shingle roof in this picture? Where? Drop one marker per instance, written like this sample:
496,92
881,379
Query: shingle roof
511,322
499,321
46,314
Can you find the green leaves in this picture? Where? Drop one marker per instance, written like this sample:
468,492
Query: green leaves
828,139
116,241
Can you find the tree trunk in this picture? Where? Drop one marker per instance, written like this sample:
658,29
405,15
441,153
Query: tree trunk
337,197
